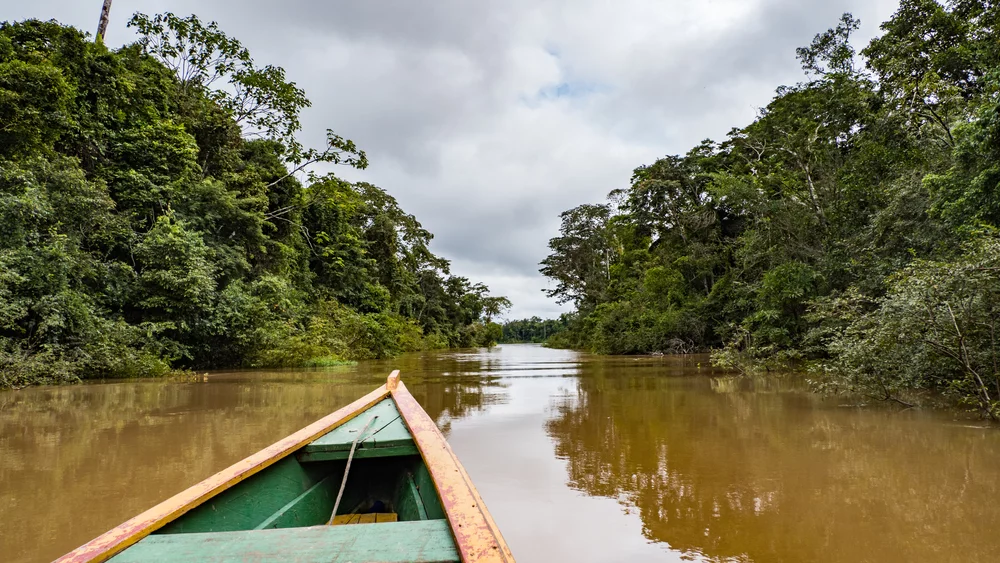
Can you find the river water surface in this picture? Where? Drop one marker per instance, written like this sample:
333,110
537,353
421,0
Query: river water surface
579,458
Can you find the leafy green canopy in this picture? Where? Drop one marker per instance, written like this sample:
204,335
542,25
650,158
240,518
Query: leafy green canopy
535,329
852,224
157,211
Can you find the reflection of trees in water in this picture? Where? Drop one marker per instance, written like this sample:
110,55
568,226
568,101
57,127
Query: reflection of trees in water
774,477
451,385
454,398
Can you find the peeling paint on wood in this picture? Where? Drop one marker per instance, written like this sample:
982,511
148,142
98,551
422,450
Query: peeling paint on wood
475,532
309,456
392,381
387,542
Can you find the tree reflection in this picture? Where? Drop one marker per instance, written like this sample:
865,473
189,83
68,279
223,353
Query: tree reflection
724,473
449,386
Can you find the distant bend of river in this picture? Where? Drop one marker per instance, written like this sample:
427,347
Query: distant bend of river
578,457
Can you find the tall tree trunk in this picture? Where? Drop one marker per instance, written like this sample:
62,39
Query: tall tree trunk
102,26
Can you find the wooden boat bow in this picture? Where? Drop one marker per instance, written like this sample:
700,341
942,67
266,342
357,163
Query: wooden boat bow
476,536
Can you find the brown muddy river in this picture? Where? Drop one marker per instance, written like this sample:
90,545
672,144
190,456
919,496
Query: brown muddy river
579,458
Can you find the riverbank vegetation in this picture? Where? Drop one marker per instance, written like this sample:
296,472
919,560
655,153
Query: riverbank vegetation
535,330
157,211
852,227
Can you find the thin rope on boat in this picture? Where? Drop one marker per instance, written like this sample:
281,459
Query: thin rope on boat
350,457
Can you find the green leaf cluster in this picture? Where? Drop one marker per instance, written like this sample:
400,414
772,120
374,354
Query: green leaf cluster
851,226
158,212
534,330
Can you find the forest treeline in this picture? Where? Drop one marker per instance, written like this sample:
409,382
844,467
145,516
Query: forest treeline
157,211
534,330
851,228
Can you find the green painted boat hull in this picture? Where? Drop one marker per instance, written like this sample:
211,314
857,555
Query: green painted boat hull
280,513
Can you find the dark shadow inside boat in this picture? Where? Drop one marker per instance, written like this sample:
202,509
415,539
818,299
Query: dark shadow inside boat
295,493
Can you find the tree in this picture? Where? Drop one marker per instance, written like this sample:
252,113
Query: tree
935,329
831,52
494,307
258,99
581,256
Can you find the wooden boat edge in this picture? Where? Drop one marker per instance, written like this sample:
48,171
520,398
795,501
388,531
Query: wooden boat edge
476,534
116,540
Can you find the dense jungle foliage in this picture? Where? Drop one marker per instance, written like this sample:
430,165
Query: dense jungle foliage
534,330
157,211
852,225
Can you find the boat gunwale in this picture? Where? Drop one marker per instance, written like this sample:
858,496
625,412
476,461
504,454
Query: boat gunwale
119,538
476,534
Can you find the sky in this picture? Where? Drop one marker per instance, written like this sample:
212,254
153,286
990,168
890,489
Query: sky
486,119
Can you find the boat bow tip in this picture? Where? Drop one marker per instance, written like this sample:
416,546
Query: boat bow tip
393,381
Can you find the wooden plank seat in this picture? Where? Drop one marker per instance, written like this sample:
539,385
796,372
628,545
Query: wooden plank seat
426,541
387,436
370,518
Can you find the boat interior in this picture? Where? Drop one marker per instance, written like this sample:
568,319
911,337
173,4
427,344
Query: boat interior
389,509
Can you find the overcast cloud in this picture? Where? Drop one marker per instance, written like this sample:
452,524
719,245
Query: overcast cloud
486,119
